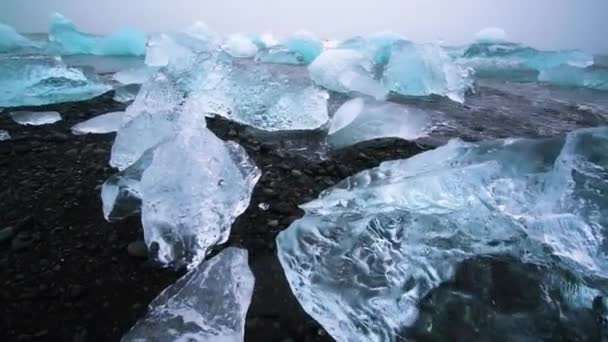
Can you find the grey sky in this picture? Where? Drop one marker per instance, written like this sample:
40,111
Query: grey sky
541,23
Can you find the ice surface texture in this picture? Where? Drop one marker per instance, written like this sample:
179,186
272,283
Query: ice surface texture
124,42
207,304
363,119
39,80
10,40
35,118
101,124
369,249
567,75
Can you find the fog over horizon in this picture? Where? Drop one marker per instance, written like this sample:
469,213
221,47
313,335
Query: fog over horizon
547,24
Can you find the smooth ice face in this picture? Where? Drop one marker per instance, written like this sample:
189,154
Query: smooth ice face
38,80
4,135
124,42
369,249
269,97
193,191
567,75
35,118
11,40
209,303
101,124
365,119
491,35
346,71
240,46
421,70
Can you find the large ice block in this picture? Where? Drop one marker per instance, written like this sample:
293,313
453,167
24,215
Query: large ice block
10,40
567,75
193,190
376,46
425,69
346,71
209,303
31,80
101,124
124,42
369,249
270,97
29,118
363,119
491,35
301,47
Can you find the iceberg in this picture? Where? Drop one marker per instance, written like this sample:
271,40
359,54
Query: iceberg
346,71
376,46
209,303
124,42
193,190
568,75
11,40
300,48
425,69
30,80
29,118
368,250
4,135
240,46
101,124
491,35
269,97
362,119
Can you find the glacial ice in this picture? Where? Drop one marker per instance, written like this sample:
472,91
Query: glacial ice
240,46
376,46
567,75
209,303
365,119
269,97
180,48
300,48
139,75
124,42
491,35
4,135
193,190
371,248
126,93
29,80
11,40
425,69
346,71
29,118
101,124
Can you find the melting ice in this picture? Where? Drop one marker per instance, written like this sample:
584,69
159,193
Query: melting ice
29,118
104,123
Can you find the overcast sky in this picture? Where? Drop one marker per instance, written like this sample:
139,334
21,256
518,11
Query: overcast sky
541,23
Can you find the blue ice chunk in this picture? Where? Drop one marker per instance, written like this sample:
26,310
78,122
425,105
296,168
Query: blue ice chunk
32,80
369,249
300,48
568,75
239,45
11,40
124,42
377,46
209,303
425,69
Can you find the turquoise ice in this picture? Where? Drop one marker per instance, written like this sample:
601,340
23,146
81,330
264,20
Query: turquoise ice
10,40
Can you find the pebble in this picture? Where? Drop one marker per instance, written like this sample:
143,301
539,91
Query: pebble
296,173
138,249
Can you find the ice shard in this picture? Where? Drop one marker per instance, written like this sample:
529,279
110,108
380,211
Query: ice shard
30,80
269,97
346,71
369,249
240,45
425,69
29,118
363,119
193,190
10,40
567,75
124,42
101,124
4,135
209,303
